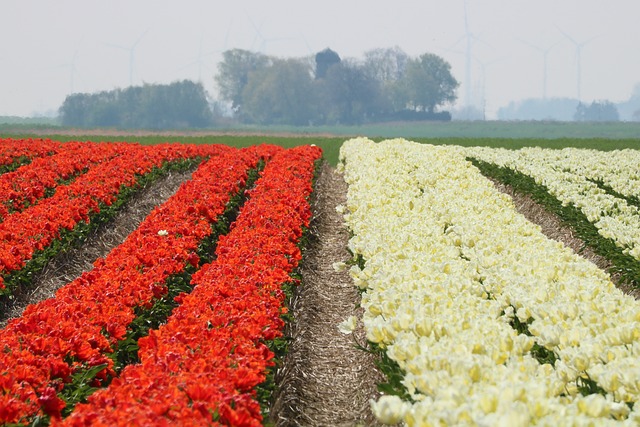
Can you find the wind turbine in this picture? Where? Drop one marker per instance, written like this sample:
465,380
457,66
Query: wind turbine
258,35
545,54
483,68
467,67
579,46
312,52
200,58
198,61
131,49
469,38
72,70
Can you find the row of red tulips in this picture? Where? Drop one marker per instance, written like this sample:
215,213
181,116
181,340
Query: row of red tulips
202,367
35,228
24,186
20,150
81,326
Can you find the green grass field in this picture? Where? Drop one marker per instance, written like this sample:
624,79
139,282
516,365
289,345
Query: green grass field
474,129
601,136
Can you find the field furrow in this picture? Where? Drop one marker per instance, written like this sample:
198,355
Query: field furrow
45,228
68,265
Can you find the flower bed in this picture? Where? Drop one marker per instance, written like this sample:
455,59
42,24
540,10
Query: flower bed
75,334
37,227
568,176
490,322
24,186
16,152
202,366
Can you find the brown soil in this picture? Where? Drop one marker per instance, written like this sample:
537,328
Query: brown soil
325,380
69,265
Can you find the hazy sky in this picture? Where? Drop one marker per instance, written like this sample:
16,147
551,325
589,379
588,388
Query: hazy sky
52,48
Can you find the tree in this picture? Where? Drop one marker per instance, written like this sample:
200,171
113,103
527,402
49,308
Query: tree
561,109
104,110
602,111
189,103
281,93
177,105
129,104
233,73
348,94
386,65
427,84
73,111
387,85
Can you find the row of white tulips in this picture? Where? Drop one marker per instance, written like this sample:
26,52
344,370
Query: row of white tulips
618,168
449,265
567,173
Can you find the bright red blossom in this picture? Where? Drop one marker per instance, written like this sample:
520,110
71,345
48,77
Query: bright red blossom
84,322
212,344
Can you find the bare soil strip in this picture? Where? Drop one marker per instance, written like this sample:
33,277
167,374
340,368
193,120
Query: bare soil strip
553,228
69,265
325,380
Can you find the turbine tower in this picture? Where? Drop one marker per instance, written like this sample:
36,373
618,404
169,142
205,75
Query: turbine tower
469,56
483,82
545,54
131,49
467,66
72,71
199,60
263,40
579,46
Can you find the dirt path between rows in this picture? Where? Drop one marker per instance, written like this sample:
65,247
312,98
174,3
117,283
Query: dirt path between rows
325,380
69,265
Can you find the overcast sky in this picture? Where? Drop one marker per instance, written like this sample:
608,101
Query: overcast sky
49,49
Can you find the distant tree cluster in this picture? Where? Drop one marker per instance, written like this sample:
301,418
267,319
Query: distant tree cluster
152,106
325,89
603,111
561,109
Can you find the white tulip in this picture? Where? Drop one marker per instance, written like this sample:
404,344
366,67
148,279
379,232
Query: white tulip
450,267
348,325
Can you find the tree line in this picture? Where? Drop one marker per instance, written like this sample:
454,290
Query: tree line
387,84
181,104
